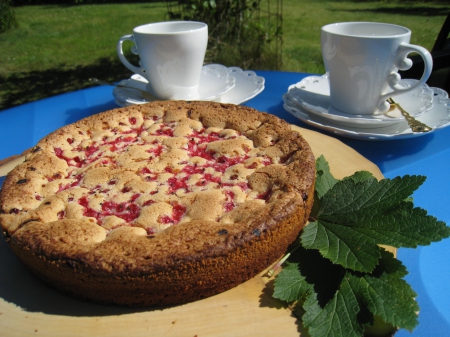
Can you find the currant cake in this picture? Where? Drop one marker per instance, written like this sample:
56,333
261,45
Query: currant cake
159,204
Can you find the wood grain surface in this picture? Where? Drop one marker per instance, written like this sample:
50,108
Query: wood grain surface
30,308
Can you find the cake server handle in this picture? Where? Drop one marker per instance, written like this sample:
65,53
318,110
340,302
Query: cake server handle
414,124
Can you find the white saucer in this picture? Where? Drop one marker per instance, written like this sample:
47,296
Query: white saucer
213,84
218,83
437,118
313,95
248,84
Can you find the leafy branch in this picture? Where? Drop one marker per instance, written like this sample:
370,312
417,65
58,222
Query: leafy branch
342,282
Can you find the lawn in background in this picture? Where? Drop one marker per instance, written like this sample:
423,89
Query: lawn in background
302,21
56,49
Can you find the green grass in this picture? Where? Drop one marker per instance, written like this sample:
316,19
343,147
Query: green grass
56,49
68,36
302,21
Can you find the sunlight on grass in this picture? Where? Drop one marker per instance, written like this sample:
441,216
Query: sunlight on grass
56,49
50,36
302,21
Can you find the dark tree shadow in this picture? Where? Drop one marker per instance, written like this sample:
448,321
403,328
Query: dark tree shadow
416,10
21,288
24,87
17,3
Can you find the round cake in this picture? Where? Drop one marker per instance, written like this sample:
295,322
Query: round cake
159,204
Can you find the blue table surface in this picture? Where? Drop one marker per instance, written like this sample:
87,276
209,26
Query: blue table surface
429,155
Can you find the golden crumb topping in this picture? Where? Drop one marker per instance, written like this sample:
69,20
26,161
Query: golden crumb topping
148,170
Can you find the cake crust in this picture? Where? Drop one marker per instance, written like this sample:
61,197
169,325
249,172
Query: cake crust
216,229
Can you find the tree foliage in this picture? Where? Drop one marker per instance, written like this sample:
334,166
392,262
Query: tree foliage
7,16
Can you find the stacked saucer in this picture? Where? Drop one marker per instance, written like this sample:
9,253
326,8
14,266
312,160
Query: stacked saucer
217,83
309,101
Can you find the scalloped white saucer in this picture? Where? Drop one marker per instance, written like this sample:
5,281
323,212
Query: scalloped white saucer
215,85
437,117
313,95
248,84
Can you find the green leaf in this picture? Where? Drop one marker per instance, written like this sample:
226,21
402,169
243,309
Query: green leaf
308,267
338,318
389,265
386,294
404,226
341,245
360,176
359,297
324,179
359,212
290,285
349,196
341,280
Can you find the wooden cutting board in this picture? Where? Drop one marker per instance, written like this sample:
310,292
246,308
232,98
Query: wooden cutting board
30,308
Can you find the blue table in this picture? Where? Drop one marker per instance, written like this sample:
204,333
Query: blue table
429,155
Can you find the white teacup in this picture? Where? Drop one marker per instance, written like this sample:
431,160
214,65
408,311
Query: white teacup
171,57
362,60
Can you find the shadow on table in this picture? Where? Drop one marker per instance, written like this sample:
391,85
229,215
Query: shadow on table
19,287
24,87
267,300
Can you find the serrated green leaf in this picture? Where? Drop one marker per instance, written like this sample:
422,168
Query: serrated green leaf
386,294
359,212
359,297
389,265
338,318
341,245
307,268
344,279
324,179
402,226
360,176
324,275
290,285
348,196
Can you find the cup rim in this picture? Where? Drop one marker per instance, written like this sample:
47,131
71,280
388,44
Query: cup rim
194,26
328,29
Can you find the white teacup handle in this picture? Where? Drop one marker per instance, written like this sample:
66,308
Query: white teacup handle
404,63
137,70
